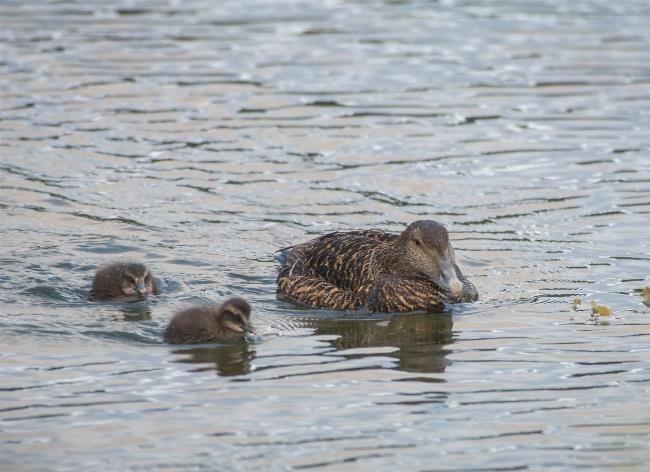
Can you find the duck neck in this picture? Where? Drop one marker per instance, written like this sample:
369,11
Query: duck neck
394,258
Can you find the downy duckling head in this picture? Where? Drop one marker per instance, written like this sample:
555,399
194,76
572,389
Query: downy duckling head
234,315
136,280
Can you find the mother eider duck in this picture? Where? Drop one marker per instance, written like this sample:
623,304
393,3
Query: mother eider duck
375,271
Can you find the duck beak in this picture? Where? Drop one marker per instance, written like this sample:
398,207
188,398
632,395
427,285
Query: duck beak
233,326
141,289
447,279
249,329
239,328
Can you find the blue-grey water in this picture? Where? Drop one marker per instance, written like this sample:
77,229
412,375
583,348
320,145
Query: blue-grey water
200,136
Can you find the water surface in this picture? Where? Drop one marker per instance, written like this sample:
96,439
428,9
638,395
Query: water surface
202,136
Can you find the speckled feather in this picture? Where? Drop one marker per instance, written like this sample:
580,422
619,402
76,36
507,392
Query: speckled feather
352,271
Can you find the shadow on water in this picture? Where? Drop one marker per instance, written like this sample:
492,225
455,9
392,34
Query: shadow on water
228,359
421,339
136,311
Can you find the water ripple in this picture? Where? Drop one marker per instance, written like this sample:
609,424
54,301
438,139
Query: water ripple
201,138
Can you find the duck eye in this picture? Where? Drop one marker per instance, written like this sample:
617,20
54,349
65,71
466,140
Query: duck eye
240,319
417,242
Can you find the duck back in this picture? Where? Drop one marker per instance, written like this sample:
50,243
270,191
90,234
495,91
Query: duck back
346,259
362,270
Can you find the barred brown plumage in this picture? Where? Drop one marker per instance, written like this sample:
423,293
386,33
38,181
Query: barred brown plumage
375,271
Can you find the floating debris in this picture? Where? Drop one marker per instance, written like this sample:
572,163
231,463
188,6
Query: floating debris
645,294
575,303
601,310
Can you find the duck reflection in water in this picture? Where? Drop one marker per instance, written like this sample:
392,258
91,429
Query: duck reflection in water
421,338
137,311
228,359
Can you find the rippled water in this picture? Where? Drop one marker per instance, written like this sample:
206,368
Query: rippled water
202,136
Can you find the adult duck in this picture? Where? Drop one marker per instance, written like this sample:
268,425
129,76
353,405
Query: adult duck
375,271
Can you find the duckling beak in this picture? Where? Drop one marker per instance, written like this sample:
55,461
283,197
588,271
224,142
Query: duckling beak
233,326
249,329
140,288
447,279
239,327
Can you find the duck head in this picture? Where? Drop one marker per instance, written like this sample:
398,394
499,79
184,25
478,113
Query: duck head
136,280
425,251
234,314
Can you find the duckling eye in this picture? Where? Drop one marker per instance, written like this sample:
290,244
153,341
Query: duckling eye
147,277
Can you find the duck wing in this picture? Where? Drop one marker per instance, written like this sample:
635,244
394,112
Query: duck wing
346,259
316,292
333,271
391,293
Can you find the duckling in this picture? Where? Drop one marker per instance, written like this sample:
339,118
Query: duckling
227,321
375,271
122,279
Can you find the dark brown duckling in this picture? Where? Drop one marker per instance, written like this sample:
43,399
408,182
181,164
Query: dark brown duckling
227,321
122,279
375,271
